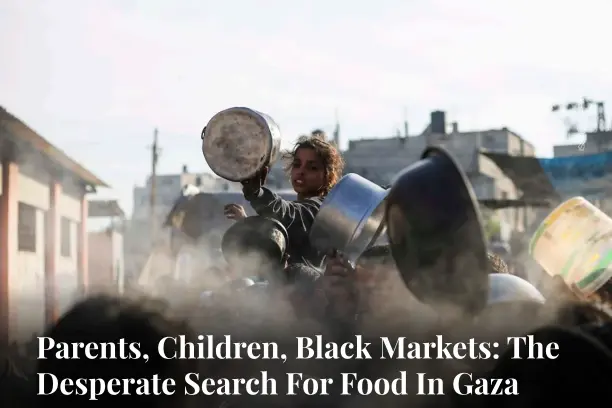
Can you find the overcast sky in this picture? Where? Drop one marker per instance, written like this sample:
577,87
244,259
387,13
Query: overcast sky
95,77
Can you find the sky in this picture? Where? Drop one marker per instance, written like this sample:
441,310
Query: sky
96,77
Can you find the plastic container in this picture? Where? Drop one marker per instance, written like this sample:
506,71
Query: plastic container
575,242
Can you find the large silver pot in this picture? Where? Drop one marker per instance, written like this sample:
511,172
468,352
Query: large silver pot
351,217
238,142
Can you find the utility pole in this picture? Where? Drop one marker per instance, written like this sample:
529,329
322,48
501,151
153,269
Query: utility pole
153,189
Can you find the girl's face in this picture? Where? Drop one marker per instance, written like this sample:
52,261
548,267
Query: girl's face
307,172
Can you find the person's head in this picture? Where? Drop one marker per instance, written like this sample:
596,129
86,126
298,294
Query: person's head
314,165
109,320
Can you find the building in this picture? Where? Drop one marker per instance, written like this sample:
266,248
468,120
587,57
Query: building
106,261
106,256
381,159
167,189
43,227
138,235
596,142
586,169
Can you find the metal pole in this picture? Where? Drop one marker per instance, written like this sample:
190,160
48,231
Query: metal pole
153,189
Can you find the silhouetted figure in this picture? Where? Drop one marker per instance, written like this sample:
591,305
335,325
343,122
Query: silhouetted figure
109,319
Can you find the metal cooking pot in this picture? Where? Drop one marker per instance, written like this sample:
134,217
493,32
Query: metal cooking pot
238,142
509,288
351,217
435,233
252,241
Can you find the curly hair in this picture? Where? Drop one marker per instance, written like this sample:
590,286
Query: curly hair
333,162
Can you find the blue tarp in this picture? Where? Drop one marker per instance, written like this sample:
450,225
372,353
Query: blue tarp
569,173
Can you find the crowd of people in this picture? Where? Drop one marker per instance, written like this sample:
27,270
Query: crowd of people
304,292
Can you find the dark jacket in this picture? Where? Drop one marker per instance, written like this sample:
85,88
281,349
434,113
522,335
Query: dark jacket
15,388
297,217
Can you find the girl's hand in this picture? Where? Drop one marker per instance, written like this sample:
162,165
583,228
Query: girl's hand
339,287
337,266
252,186
339,275
234,212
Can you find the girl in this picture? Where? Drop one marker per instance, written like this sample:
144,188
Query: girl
314,166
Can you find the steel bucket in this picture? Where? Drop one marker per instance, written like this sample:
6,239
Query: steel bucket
351,217
238,142
435,232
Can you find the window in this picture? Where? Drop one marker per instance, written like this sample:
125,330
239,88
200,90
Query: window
66,237
26,226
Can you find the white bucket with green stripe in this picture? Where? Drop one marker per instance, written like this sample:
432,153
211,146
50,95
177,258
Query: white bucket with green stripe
575,242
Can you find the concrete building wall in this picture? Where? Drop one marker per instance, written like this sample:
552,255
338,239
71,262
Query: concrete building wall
398,152
27,270
598,191
381,159
100,264
106,260
499,186
569,150
69,211
595,142
28,285
40,186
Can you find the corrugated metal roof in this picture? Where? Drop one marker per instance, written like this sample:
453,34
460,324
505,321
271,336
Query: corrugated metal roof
527,175
19,130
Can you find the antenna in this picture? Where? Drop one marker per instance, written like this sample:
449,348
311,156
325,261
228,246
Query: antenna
571,125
